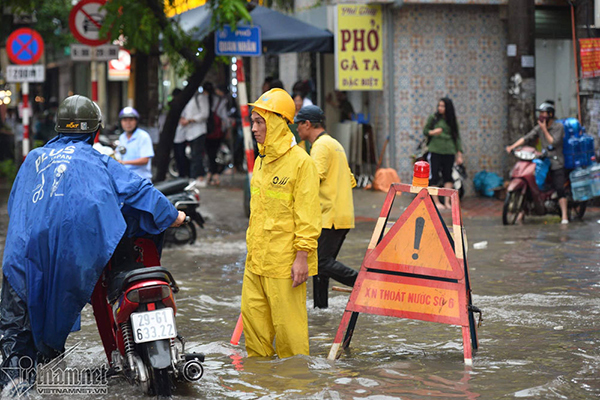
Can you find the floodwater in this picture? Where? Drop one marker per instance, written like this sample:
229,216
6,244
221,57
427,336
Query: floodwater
537,285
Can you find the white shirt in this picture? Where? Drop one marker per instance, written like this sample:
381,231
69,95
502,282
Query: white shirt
197,109
307,102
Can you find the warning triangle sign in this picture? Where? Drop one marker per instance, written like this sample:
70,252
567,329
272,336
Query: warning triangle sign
418,243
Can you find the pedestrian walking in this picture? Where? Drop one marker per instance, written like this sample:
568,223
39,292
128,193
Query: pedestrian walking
282,237
138,144
217,125
335,194
444,145
192,128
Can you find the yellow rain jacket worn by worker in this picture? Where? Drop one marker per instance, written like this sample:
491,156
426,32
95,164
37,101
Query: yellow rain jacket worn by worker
285,217
337,182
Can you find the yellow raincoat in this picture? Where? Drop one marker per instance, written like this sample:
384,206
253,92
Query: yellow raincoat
285,217
337,182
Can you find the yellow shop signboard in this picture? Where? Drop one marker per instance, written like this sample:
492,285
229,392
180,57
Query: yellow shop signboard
358,47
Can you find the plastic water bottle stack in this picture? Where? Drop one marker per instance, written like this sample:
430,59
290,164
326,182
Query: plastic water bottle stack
578,147
579,153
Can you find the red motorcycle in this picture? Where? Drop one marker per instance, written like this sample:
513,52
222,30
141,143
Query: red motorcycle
134,307
525,197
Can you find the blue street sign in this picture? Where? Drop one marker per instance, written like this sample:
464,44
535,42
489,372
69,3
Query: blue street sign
245,41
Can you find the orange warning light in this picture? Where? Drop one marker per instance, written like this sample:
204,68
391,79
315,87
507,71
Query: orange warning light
421,174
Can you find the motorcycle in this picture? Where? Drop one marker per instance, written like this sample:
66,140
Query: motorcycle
134,307
185,197
523,196
224,159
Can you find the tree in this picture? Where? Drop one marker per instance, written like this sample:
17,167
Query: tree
143,24
49,17
144,27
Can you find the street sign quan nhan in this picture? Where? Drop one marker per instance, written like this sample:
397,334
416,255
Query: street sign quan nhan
244,41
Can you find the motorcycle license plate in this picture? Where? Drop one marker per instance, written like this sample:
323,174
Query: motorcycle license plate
153,325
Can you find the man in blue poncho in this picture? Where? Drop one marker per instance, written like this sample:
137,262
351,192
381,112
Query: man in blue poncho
69,208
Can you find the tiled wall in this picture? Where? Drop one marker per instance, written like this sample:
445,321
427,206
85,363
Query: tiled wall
457,51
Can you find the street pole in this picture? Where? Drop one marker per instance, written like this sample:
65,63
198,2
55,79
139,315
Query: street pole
94,68
249,151
25,89
589,88
243,102
521,99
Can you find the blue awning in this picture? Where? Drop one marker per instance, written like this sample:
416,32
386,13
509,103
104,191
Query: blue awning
280,33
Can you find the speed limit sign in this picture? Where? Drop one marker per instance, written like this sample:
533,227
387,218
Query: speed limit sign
85,21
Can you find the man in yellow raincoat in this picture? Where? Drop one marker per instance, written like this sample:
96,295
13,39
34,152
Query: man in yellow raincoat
285,222
335,193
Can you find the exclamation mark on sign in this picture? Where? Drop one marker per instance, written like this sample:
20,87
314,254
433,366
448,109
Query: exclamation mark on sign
419,225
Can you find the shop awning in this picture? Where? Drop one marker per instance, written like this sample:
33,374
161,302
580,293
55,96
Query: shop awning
280,33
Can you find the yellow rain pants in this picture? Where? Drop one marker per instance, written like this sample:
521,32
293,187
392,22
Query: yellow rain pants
272,309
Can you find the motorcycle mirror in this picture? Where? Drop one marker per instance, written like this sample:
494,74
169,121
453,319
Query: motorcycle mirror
121,149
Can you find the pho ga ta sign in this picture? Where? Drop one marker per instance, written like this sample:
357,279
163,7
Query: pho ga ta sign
358,47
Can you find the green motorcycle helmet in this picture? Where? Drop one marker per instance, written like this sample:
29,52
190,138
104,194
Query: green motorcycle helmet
78,114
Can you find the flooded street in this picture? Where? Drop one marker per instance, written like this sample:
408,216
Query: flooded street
538,286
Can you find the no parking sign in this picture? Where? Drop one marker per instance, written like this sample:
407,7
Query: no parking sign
24,46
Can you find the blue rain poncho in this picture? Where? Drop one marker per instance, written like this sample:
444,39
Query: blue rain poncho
69,208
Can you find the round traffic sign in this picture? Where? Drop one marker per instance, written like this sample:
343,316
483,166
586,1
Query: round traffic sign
85,21
24,46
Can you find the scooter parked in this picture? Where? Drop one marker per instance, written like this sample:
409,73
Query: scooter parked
185,197
135,309
524,197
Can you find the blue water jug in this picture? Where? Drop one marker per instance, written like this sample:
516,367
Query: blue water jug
581,184
575,151
572,127
595,178
568,154
588,147
542,166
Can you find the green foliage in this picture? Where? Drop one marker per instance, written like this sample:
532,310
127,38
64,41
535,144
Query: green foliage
228,12
8,171
52,20
142,25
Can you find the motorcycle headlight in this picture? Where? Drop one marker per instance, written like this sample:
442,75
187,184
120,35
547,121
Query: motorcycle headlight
524,155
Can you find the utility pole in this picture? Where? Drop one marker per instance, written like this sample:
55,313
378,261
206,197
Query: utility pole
589,88
521,68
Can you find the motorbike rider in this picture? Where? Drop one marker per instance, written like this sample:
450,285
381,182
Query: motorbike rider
69,208
551,134
137,142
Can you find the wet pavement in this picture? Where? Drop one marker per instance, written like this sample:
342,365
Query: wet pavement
537,285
